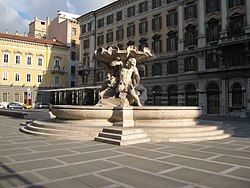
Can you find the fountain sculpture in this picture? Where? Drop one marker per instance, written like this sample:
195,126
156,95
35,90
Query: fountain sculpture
120,117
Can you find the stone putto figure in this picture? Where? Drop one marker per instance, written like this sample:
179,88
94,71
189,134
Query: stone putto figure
122,85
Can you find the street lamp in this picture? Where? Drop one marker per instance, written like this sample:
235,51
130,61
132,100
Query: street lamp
153,97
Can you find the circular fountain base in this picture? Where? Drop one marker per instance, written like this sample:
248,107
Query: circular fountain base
127,125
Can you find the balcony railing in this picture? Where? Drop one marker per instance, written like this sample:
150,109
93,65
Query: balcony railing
58,69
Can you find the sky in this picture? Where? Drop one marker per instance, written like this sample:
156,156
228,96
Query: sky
15,15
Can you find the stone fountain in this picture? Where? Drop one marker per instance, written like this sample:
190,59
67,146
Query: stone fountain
120,116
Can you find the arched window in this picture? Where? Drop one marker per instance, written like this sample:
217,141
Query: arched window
191,96
173,95
237,95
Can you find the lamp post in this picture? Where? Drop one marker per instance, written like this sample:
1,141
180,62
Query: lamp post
153,97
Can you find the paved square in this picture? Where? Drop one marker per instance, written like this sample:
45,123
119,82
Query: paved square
31,161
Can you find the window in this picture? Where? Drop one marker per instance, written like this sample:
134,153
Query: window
172,19
100,40
100,23
119,34
190,35
73,70
142,69
191,96
86,59
5,57
156,23
89,26
237,95
172,67
5,97
73,56
83,28
172,41
86,43
143,7
190,11
17,77
29,60
110,19
170,1
157,44
156,3
40,61
17,97
235,3
57,63
172,95
73,43
156,69
131,30
213,5
212,59
213,31
57,80
109,37
5,76
18,59
143,27
190,64
234,55
39,78
28,77
119,16
85,78
143,43
236,25
131,11
73,31
99,76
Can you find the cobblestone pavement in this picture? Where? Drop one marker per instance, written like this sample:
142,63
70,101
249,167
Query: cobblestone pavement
30,161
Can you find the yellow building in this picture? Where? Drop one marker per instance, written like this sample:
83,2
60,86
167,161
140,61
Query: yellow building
30,65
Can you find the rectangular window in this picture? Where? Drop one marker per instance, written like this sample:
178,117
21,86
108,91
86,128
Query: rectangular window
212,59
39,78
110,19
89,26
143,27
191,36
17,97
172,42
235,3
73,43
73,56
86,43
73,70
213,31
83,28
5,76
157,46
56,80
156,23
28,77
109,37
119,34
131,11
131,30
172,67
5,97
18,59
172,19
170,1
156,3
143,7
40,61
156,69
236,26
6,58
100,23
190,64
73,31
213,5
29,60
119,16
17,77
190,12
86,59
100,40
57,63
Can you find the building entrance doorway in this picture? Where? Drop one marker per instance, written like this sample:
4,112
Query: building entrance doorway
213,99
27,98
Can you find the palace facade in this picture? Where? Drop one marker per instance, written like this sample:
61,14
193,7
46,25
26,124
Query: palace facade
29,66
202,50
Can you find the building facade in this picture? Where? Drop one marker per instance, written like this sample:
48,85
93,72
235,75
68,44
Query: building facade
201,46
63,28
28,66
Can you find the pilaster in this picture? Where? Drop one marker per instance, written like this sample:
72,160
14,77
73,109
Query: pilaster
181,26
224,32
247,29
201,16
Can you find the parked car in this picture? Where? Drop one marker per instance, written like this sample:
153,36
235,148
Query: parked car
27,106
43,105
2,106
14,105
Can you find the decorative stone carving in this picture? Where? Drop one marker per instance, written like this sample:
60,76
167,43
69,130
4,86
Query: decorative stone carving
122,85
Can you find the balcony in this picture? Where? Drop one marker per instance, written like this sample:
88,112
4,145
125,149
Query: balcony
83,69
58,69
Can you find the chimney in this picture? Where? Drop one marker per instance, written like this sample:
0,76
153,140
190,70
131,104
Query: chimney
35,18
25,35
6,31
54,39
16,32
